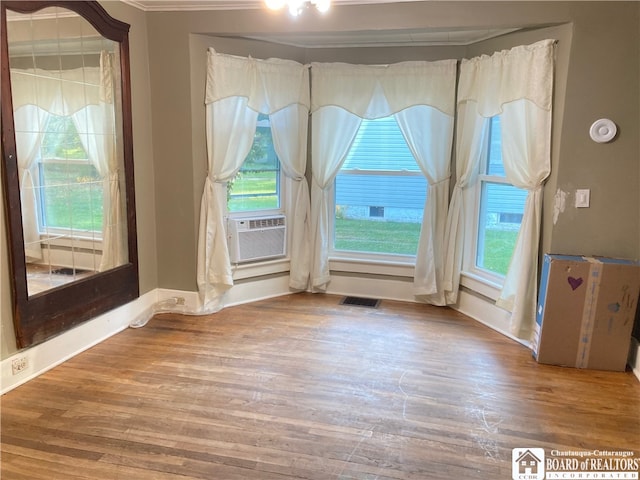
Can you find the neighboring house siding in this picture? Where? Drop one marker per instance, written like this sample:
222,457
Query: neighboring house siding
380,191
503,198
380,145
506,199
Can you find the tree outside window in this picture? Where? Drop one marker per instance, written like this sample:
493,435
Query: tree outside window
69,188
256,187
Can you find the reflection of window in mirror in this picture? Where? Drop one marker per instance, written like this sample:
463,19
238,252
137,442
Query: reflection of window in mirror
69,208
63,96
68,186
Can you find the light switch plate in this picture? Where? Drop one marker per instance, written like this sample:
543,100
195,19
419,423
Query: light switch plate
582,198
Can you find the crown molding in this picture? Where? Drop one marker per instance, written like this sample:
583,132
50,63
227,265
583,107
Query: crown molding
201,5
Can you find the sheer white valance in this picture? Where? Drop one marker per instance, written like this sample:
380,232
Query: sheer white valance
524,72
60,93
376,91
269,85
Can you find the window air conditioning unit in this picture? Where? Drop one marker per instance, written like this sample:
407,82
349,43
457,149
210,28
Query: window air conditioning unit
257,238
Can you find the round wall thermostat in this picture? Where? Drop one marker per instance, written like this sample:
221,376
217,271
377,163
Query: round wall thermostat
603,130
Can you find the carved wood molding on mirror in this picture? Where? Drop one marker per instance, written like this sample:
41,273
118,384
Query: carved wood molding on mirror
67,164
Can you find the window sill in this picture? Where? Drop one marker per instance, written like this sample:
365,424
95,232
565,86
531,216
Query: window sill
242,271
375,266
480,285
66,240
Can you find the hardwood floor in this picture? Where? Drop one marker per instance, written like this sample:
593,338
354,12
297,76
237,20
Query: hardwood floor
302,387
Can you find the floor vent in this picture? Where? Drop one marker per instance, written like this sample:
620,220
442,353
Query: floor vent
360,302
68,271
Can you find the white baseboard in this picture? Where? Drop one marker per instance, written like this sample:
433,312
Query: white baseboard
486,313
259,289
386,288
188,303
45,356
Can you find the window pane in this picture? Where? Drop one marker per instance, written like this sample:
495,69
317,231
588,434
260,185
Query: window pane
501,209
379,145
61,140
257,184
71,190
379,212
71,196
494,164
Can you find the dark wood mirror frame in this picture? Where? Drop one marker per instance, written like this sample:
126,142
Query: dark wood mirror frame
41,316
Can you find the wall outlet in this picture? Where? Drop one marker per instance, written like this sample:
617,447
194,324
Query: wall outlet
19,364
180,301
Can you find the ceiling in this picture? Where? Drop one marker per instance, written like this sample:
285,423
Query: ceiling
390,38
386,38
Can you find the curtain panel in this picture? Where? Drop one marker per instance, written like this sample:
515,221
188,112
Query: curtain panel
86,95
376,91
97,131
237,90
421,96
29,122
518,85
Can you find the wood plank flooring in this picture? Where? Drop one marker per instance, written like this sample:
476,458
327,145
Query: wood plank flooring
302,387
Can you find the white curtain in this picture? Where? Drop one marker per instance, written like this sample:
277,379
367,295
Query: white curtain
420,126
289,130
518,85
526,146
29,122
96,128
36,94
471,141
333,131
237,90
421,95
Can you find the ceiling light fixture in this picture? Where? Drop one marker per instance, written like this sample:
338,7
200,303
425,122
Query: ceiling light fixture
296,7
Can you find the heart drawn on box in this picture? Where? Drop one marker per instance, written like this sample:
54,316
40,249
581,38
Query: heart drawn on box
574,282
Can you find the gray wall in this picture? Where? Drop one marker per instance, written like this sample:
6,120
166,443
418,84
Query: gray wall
598,72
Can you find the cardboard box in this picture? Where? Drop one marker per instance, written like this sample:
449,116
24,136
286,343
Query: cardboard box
586,310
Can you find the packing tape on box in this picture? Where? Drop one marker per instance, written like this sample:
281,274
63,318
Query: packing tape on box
589,312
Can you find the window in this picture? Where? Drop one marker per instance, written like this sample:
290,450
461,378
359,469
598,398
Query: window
70,190
257,186
376,211
501,206
379,193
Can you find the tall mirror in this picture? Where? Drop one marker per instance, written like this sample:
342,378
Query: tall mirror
67,164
